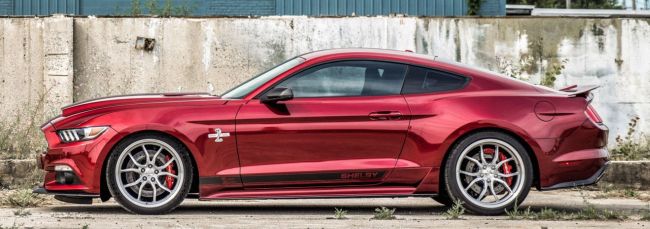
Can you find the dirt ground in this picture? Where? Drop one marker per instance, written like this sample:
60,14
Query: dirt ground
318,213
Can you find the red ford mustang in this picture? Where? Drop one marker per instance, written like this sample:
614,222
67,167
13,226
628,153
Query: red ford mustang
334,123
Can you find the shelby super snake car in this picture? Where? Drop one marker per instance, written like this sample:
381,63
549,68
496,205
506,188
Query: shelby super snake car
334,123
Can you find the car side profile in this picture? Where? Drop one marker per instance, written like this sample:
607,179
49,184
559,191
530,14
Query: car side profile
332,123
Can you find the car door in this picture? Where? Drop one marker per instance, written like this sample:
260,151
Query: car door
345,125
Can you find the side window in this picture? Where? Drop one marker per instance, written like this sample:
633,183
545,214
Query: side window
424,80
348,78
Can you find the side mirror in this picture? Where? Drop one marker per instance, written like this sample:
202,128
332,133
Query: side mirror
277,94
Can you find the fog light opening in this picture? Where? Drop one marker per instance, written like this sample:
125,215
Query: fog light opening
65,178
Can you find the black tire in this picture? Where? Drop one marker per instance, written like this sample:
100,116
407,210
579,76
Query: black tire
443,199
457,193
443,196
174,201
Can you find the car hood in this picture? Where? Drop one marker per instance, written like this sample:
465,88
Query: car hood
132,100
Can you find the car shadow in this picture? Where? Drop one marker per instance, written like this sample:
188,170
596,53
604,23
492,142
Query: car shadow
255,209
299,207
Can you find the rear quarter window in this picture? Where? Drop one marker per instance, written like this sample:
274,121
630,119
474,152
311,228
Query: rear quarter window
424,80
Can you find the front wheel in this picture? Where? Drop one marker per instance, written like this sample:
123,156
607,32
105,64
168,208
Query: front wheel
149,174
488,172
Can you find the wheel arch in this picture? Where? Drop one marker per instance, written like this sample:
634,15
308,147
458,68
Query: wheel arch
524,140
103,185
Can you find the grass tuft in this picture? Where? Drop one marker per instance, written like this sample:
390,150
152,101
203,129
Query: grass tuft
590,212
339,213
629,147
23,198
628,192
517,214
384,213
21,212
550,214
645,214
21,137
456,210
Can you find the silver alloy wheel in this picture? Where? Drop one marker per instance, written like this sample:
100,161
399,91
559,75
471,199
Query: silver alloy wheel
149,173
482,178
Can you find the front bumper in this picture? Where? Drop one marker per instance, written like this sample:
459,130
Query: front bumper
68,196
85,158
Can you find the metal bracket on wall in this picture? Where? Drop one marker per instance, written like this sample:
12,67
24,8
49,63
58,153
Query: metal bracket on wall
144,43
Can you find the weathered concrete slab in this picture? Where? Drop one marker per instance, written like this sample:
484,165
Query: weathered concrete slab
84,58
17,172
628,174
21,69
192,54
58,65
36,71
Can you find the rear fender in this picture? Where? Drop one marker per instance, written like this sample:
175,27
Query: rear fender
432,181
482,125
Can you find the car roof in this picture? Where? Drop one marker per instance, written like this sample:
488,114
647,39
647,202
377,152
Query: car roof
391,52
454,66
406,54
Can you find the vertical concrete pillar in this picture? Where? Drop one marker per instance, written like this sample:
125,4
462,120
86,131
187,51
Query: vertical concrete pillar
58,63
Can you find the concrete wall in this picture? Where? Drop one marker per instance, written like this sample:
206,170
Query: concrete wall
36,79
35,61
19,173
218,53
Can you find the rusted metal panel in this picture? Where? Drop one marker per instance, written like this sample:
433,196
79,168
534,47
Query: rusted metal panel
44,7
255,7
372,7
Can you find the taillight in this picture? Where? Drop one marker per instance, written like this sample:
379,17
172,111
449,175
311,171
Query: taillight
591,113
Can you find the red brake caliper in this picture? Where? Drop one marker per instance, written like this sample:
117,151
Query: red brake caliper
507,168
169,179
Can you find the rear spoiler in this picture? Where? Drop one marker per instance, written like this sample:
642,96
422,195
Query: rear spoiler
579,91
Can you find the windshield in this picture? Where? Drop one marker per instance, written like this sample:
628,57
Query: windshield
247,87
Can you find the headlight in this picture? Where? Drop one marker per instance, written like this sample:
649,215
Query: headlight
81,134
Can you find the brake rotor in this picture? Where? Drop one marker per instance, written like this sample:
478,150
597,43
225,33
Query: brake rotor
147,191
489,156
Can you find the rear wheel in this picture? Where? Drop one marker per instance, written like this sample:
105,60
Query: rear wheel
149,174
488,172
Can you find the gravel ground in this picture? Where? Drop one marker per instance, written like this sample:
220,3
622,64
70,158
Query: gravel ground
317,213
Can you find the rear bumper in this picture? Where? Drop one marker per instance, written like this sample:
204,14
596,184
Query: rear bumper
589,181
577,158
578,168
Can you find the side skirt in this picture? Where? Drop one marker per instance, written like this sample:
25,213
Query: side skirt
312,193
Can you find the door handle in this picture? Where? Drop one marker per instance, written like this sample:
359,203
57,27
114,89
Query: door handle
385,115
